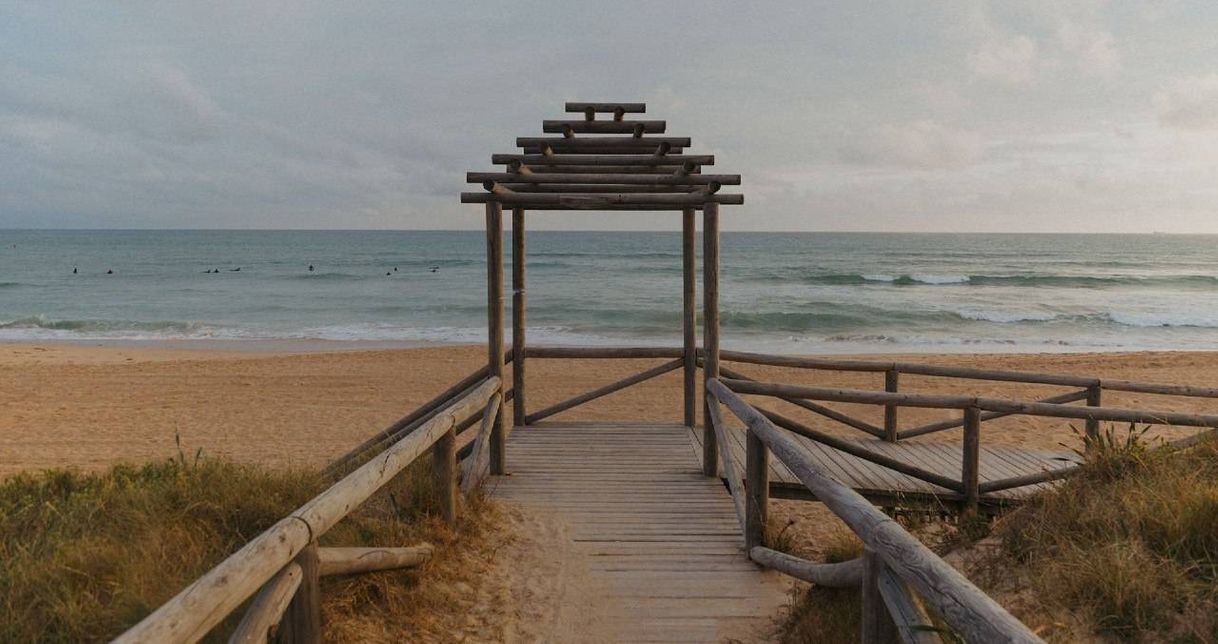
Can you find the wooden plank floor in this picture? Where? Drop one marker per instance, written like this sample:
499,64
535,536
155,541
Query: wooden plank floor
662,541
876,481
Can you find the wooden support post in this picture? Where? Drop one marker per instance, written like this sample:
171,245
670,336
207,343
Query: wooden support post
710,328
444,471
518,316
689,321
877,626
1094,399
891,380
756,488
303,617
494,304
972,454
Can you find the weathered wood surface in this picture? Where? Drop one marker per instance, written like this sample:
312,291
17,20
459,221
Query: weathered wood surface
968,610
663,542
599,392
210,598
875,481
351,561
267,607
847,574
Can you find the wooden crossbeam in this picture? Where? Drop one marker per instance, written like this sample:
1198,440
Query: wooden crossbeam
607,159
649,201
635,179
558,142
606,108
516,166
568,188
602,127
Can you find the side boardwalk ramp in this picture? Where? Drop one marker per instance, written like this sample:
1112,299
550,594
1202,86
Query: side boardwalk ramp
662,542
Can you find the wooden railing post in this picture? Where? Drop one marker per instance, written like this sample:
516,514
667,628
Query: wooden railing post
303,617
444,471
494,303
877,626
756,488
970,466
1094,399
710,329
689,317
518,316
891,381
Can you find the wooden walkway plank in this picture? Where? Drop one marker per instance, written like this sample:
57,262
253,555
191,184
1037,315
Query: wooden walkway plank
661,541
943,457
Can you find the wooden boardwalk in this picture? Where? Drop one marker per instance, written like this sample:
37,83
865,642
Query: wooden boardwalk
662,541
883,485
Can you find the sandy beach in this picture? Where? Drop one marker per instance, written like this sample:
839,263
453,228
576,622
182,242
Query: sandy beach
92,406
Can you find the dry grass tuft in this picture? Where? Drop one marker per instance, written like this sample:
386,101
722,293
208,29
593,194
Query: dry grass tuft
1131,542
826,614
83,556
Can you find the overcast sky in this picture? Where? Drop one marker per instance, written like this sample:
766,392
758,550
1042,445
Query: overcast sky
946,116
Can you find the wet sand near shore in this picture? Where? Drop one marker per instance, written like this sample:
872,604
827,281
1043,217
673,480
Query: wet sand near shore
91,406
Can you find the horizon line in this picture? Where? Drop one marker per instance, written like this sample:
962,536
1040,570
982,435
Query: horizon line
590,230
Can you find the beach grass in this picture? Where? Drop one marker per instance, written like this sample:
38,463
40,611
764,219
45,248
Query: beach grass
1130,545
1127,550
83,556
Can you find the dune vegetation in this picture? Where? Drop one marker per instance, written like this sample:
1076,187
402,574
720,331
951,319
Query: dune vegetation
83,556
1126,550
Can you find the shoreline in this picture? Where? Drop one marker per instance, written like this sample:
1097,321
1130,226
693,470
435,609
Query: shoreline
286,346
301,404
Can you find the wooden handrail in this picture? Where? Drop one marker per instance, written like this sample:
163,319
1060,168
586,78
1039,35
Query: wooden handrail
846,574
603,391
209,599
854,449
832,414
946,371
930,428
267,607
1021,407
603,352
734,480
967,609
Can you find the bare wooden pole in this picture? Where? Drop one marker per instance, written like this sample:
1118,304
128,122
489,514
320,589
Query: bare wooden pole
261,621
877,627
444,471
710,327
303,617
891,384
518,316
1094,399
494,305
689,320
756,488
972,454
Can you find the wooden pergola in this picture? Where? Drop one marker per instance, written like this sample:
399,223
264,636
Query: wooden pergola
603,161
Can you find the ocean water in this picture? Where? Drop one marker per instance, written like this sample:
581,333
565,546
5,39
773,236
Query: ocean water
788,292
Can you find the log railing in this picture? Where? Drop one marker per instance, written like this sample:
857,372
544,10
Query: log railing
973,410
679,359
1087,388
894,564
281,567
